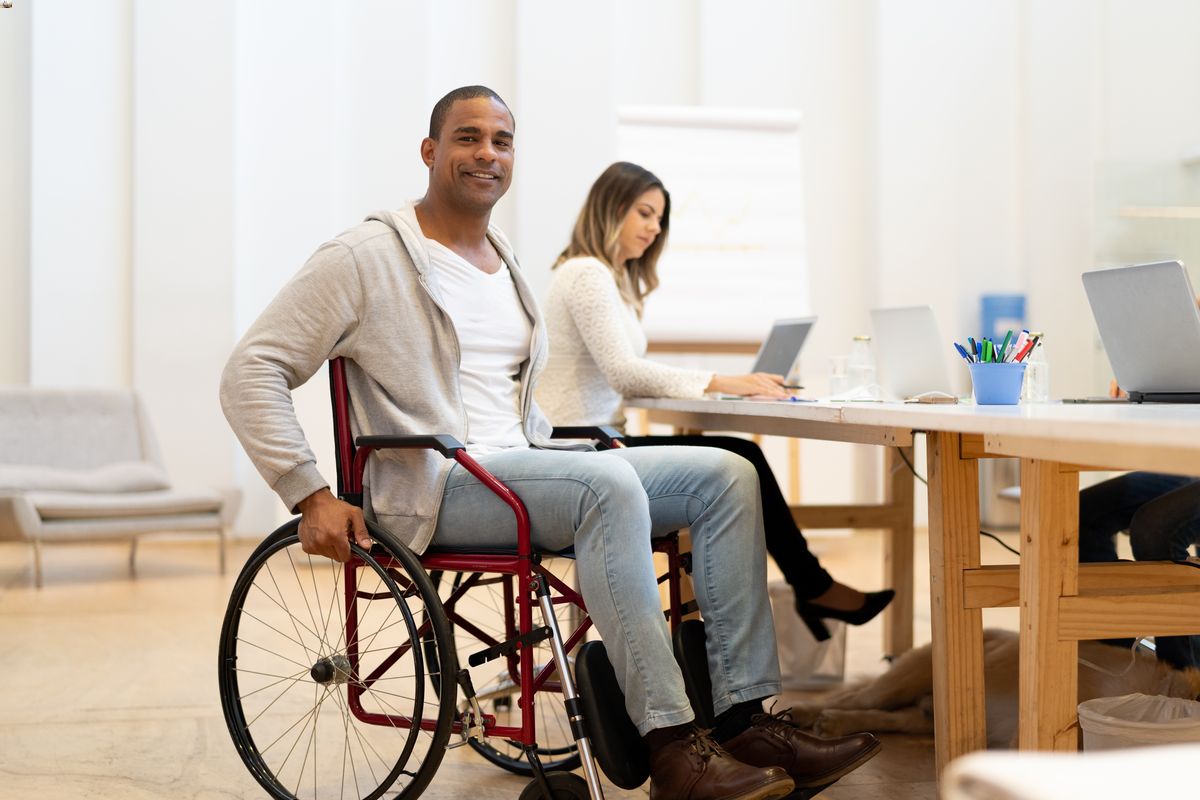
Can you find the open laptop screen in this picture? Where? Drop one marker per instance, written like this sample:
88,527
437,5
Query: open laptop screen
1149,324
782,345
910,352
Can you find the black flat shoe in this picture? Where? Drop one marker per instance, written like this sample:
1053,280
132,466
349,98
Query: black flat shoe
814,614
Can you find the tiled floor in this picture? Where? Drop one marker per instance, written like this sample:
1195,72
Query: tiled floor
109,684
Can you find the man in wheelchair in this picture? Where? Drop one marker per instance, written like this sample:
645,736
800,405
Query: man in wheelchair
441,334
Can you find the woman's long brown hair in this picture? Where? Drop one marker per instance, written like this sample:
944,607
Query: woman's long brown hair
599,226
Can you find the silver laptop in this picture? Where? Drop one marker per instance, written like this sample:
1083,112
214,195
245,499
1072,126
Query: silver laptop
910,352
782,345
1150,328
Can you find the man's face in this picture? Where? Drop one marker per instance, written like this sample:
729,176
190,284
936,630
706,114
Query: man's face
470,163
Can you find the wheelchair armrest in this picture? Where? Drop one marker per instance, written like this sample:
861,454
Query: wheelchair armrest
444,443
607,435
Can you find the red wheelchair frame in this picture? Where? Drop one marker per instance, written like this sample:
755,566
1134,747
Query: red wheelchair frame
521,572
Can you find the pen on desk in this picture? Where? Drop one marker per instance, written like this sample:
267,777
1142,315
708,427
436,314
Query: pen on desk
1004,347
1024,351
962,351
1033,342
987,351
1022,337
974,348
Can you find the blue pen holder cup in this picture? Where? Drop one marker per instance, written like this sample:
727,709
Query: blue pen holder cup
996,384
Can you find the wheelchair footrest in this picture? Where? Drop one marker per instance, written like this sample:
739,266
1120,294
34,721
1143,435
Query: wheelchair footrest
618,747
508,648
691,652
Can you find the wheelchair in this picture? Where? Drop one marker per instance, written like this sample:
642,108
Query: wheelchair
345,680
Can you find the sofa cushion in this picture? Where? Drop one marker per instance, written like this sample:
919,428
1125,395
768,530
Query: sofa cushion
80,505
121,476
72,428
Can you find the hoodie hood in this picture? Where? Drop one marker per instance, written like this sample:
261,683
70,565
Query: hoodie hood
403,221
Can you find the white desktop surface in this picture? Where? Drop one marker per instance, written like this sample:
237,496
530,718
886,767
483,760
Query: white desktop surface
1124,434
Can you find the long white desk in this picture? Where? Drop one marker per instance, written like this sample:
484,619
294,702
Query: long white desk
1061,602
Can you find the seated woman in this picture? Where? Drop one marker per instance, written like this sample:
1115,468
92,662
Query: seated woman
597,358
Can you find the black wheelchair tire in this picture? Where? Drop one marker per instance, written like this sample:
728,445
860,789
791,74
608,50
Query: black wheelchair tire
436,647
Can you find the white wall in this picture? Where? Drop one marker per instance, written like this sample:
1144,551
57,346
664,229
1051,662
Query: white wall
80,198
183,223
196,157
1061,139
948,172
566,122
15,95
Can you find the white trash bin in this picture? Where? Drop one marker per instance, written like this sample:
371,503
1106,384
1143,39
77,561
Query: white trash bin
1138,720
804,663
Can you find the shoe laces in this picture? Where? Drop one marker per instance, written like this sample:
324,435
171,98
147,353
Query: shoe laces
703,745
775,719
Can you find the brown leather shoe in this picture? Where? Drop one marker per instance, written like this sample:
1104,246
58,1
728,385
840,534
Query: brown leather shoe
773,740
696,768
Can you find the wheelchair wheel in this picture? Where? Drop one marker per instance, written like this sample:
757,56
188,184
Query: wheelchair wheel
483,603
563,786
331,674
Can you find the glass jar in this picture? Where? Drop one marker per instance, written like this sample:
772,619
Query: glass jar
860,369
1037,374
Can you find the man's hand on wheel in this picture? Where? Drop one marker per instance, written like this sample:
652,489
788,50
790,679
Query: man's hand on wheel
327,524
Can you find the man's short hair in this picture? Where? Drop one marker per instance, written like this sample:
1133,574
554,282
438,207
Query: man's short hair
438,118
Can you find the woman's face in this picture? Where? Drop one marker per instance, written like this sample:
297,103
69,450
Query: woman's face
641,225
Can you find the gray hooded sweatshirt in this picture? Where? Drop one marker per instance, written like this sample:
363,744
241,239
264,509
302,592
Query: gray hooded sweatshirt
370,296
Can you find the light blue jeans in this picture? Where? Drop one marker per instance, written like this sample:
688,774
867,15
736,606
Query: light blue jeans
608,505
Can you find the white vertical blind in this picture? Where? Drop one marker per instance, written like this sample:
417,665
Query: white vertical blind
735,259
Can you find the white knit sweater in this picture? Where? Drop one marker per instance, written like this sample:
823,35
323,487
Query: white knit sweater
597,351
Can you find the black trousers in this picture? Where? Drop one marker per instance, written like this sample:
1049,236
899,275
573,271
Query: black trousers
1162,514
785,542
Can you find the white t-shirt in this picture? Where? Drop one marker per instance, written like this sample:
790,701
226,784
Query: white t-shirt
494,336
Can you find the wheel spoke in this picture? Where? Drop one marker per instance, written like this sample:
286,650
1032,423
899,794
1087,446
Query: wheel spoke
296,623
334,628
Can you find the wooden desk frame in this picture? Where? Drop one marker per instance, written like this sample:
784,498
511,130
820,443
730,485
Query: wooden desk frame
1061,602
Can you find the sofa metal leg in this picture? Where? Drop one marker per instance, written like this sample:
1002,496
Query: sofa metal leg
37,564
133,542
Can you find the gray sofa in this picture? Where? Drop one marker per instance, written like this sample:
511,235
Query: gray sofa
83,465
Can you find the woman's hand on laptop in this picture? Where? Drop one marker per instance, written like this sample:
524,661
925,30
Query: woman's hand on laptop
756,383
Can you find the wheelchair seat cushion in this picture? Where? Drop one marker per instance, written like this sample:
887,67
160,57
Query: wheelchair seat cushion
618,747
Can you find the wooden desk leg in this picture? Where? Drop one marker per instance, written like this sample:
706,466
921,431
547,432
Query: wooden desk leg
958,699
1049,571
898,552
